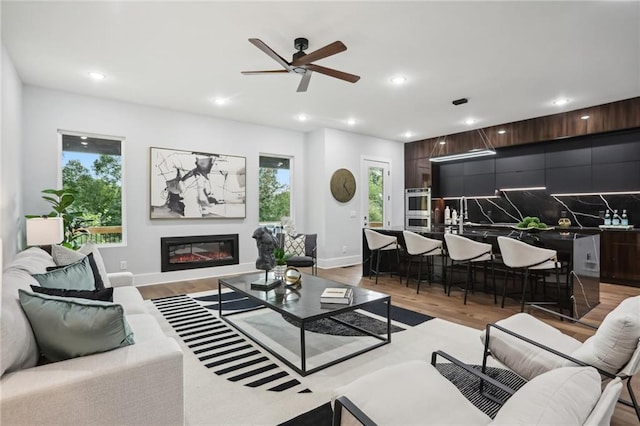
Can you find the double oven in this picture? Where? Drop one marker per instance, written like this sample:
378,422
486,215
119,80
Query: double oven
417,202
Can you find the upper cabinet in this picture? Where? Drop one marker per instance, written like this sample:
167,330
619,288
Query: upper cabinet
600,163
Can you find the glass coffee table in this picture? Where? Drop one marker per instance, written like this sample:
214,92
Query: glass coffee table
302,306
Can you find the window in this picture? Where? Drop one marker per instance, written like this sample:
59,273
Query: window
92,170
274,189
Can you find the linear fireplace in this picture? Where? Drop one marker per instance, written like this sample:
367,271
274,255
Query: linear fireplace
201,251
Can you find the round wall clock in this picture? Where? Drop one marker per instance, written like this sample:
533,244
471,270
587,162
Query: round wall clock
343,185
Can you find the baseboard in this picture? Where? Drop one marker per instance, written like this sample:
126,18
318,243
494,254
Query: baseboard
339,262
192,274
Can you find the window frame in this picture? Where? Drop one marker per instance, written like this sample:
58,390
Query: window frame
123,191
291,160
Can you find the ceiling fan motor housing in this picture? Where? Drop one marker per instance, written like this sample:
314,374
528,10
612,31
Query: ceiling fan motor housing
301,43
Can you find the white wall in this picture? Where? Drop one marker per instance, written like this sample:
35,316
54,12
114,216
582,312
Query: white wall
11,211
47,111
316,156
341,227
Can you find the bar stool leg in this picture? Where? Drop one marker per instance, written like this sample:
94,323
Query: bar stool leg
371,263
524,289
558,289
444,272
466,284
493,279
378,266
409,269
450,279
398,264
504,286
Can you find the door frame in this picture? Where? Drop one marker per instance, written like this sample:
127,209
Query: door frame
365,162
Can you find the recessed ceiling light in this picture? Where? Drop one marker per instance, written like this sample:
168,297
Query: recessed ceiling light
83,137
584,117
85,143
302,117
561,101
470,121
407,134
443,142
219,101
351,122
399,79
502,132
97,76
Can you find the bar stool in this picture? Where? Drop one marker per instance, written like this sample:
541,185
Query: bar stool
462,249
417,245
519,255
380,243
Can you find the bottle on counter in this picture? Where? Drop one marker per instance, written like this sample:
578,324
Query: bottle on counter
447,216
607,218
615,219
454,217
625,219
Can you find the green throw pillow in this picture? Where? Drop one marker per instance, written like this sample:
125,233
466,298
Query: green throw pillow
68,327
77,276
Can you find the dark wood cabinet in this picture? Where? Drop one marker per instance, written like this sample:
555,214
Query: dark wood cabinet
619,254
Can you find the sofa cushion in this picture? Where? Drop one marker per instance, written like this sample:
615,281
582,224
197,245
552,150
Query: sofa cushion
615,340
145,327
34,260
76,276
417,393
564,396
523,358
65,256
94,269
130,299
68,328
18,349
105,295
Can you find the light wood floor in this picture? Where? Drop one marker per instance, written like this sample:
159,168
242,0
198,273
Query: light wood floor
479,310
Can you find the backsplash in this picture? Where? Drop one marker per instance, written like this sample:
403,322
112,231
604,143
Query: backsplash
581,210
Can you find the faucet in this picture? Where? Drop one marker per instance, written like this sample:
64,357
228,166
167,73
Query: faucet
463,214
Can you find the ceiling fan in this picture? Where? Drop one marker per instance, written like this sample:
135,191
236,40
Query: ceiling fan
301,62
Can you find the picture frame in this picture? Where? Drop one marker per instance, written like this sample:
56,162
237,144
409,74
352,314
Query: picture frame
196,185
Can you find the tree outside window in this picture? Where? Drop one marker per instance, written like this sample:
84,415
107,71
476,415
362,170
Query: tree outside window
274,189
92,170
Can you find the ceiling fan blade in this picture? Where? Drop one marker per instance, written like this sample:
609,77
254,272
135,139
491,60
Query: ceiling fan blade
351,78
323,52
265,72
269,51
304,82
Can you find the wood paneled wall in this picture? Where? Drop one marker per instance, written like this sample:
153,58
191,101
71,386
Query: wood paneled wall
602,118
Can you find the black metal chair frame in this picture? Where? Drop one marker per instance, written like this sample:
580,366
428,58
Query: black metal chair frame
469,275
429,267
487,352
378,254
527,269
344,402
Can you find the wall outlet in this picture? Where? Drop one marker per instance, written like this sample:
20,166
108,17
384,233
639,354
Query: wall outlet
344,249
123,265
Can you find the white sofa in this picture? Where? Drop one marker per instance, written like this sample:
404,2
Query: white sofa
141,384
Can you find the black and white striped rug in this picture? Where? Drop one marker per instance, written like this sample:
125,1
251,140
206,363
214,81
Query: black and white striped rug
233,356
221,348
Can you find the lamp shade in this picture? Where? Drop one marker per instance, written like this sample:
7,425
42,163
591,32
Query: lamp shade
42,231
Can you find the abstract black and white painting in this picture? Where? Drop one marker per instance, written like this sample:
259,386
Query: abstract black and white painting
192,185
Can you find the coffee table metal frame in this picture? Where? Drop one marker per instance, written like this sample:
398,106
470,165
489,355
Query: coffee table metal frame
362,298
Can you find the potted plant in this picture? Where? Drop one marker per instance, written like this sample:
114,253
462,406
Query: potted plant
73,222
281,262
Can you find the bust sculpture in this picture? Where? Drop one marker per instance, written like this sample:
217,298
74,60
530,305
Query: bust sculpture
266,243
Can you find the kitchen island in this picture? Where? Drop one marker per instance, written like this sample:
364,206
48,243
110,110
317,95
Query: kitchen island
578,250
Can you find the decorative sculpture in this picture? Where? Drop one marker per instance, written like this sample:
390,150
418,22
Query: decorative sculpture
266,243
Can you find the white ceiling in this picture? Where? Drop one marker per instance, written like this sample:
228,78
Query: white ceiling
511,59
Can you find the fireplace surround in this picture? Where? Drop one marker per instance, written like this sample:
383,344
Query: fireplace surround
199,251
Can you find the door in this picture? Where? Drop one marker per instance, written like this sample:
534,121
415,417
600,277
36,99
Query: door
376,199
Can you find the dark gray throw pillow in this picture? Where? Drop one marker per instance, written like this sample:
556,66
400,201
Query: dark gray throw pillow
105,294
94,268
77,276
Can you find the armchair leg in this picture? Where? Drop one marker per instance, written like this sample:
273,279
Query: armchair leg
634,401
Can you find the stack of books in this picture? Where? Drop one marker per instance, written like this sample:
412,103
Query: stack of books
336,296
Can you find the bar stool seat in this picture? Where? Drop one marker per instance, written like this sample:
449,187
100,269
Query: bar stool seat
380,243
520,255
465,250
418,246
